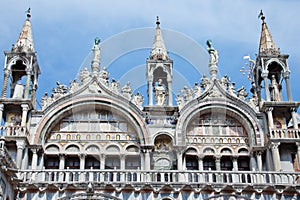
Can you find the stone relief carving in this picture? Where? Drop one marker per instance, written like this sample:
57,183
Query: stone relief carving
242,94
160,93
138,100
126,91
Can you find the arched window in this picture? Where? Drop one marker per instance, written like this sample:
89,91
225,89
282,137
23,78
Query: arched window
192,162
72,162
226,163
209,163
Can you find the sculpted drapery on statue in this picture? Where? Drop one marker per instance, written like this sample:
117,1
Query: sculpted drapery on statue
214,56
275,89
160,93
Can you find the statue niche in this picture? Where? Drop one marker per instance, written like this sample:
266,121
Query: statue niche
275,89
160,93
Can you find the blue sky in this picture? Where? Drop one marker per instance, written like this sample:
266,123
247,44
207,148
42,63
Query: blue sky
64,33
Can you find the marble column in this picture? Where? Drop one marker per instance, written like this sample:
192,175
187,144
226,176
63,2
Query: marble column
20,147
270,117
265,74
150,92
1,113
27,87
259,160
286,76
170,93
179,160
218,162
298,154
24,114
275,155
294,118
102,161
235,163
122,160
147,159
253,162
5,82
34,158
82,161
200,162
62,161
24,164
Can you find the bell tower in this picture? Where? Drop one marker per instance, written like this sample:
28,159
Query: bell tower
159,72
20,82
273,89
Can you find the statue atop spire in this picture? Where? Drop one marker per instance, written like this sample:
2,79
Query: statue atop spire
158,51
25,40
214,59
96,59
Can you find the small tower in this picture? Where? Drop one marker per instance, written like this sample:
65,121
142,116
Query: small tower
159,72
272,78
21,71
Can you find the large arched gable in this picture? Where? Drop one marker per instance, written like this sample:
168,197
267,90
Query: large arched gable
89,101
218,106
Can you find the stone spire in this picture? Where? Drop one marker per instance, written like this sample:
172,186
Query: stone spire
266,45
25,40
96,58
158,51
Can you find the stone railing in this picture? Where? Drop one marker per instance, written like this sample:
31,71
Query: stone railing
14,131
285,133
209,139
159,177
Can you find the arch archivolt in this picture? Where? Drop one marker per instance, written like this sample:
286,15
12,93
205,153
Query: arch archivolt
14,60
276,60
249,123
67,107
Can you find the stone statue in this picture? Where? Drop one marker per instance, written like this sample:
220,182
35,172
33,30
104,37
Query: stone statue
84,75
231,89
253,101
97,41
225,82
187,94
205,82
197,90
59,91
138,100
275,90
160,93
242,94
126,91
46,100
214,57
114,86
104,76
18,91
179,101
73,86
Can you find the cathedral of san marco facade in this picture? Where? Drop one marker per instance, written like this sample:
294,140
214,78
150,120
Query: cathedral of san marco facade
97,139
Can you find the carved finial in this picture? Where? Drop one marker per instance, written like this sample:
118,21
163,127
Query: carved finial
28,13
261,16
157,21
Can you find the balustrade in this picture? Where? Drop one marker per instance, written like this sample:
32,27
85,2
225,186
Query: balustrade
196,177
285,133
14,131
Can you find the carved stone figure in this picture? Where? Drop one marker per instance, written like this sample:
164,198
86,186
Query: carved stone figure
104,76
205,82
73,86
18,91
197,90
242,94
59,91
179,101
160,93
225,82
275,90
126,91
253,101
114,86
84,75
231,89
187,94
138,100
46,100
214,57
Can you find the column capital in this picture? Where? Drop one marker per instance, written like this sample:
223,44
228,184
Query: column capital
265,73
82,155
25,107
286,74
20,144
293,109
6,71
34,150
217,157
274,145
1,107
298,144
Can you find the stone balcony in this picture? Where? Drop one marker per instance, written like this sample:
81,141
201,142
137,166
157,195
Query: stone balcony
285,134
14,131
159,180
